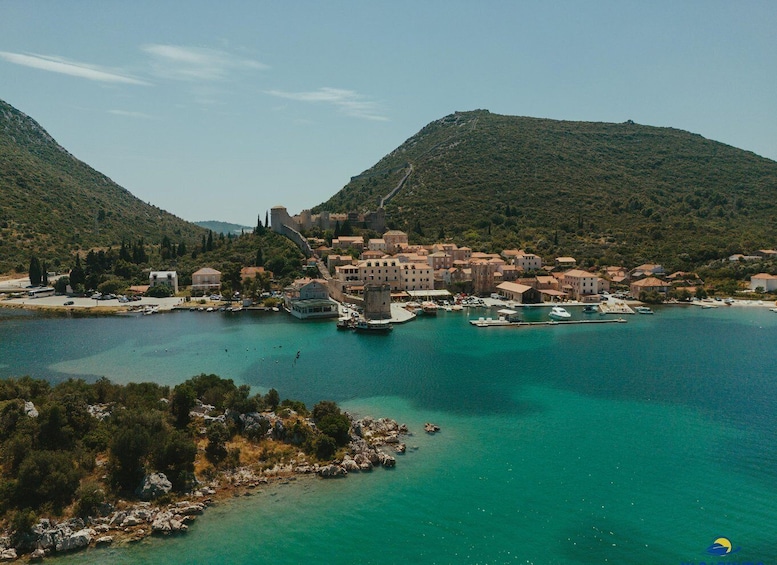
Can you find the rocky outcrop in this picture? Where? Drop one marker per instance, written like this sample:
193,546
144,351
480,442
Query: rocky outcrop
154,486
30,410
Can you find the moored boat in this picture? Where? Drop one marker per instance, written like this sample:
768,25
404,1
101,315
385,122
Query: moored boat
429,308
373,326
559,313
642,310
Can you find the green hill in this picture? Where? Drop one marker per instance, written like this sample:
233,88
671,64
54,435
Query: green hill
52,204
605,193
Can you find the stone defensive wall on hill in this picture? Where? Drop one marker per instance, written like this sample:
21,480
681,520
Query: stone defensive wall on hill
282,223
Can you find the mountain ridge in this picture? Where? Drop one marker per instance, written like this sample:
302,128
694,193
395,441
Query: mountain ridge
611,193
52,204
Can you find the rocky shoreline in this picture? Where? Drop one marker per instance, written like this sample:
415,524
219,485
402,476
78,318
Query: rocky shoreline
374,443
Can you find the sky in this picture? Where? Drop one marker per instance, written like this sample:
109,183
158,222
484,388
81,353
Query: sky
221,110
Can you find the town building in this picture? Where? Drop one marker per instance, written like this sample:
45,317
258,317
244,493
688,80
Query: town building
377,245
205,279
348,242
764,281
309,298
395,240
649,284
521,293
387,270
581,285
528,261
333,261
647,270
416,276
566,262
169,278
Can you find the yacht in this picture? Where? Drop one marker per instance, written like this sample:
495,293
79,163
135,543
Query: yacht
559,313
642,310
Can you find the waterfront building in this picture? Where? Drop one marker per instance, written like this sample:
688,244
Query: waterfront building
309,298
205,279
649,284
169,278
521,293
386,271
581,285
416,276
764,281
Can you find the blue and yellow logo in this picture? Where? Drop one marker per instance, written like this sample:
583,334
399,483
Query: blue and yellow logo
721,546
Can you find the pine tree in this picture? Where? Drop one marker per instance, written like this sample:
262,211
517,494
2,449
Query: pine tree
204,244
259,258
210,241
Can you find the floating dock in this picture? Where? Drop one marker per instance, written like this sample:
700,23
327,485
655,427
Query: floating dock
491,323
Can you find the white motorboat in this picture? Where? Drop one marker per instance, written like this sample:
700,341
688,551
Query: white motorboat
559,313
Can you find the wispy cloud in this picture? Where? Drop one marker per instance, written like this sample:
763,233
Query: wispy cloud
130,114
349,102
197,63
73,68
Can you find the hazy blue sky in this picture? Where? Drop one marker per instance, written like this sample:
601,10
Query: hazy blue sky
220,110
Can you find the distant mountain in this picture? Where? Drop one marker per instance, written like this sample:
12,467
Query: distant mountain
52,204
608,193
224,227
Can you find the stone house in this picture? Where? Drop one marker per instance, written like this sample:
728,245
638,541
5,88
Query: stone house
205,280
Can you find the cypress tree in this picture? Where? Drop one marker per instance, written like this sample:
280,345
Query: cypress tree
77,273
35,271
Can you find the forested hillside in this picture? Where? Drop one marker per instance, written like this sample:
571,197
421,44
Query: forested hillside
52,204
608,193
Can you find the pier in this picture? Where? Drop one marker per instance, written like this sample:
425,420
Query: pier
610,307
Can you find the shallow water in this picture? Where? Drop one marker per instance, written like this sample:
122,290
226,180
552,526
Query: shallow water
617,443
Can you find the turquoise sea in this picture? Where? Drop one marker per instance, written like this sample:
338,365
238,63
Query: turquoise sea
617,443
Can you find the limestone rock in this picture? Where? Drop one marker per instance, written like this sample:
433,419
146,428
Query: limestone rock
154,486
331,471
77,540
30,410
